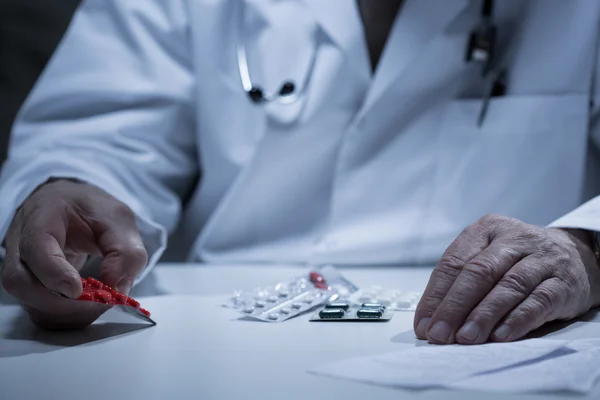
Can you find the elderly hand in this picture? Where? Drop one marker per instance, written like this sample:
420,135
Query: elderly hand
502,278
51,236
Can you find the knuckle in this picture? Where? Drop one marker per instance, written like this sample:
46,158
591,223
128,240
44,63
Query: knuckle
135,255
430,303
516,283
123,212
543,301
454,309
482,269
492,219
450,265
483,316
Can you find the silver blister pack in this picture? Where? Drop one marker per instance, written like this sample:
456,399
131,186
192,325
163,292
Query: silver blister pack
394,300
285,300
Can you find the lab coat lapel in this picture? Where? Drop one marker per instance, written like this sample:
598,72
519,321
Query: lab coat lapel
418,22
341,21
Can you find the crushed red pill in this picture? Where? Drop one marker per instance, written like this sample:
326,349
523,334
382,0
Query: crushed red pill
131,302
89,296
96,291
102,296
94,283
145,311
119,298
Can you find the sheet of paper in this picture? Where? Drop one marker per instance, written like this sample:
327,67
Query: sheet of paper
438,366
576,372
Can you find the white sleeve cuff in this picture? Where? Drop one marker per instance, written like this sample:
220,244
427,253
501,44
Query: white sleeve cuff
586,216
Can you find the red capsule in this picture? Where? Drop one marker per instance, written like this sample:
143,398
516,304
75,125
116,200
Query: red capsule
102,296
89,296
316,278
133,303
83,283
145,311
118,298
94,283
321,285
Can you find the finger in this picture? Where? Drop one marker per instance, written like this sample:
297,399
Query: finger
511,290
46,309
467,245
475,280
121,246
541,306
40,250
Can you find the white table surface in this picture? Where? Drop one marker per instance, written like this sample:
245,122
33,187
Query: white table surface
199,350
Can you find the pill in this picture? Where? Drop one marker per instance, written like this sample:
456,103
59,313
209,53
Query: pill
297,305
332,313
119,298
316,278
385,301
376,306
89,296
273,316
283,294
285,311
341,305
248,310
321,285
94,283
403,304
133,303
272,299
369,313
146,312
102,296
308,300
260,304
84,283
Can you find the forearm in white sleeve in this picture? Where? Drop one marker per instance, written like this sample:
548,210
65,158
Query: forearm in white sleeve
114,107
587,216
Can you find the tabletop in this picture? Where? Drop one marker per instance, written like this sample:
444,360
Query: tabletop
200,350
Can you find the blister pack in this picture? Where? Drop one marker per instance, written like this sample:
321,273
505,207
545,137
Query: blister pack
98,292
394,300
285,300
341,311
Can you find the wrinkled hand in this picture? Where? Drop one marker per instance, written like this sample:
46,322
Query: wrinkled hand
502,278
50,239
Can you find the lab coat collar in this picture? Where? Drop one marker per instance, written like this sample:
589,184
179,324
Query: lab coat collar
418,23
340,20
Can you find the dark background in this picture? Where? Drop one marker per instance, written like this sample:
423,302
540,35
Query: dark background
29,33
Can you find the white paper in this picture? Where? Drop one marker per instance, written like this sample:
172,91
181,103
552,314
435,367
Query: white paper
576,372
438,366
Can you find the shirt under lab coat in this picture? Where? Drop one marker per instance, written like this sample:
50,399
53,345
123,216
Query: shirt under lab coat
144,100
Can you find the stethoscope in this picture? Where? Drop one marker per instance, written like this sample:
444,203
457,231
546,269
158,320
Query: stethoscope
288,93
480,49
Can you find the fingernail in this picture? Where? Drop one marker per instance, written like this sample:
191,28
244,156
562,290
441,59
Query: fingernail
440,332
469,331
66,288
421,330
503,332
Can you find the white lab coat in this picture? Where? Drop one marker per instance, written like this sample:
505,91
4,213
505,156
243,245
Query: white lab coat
144,95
